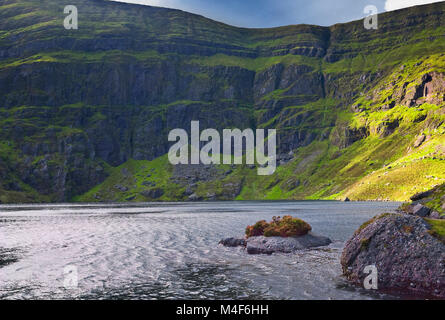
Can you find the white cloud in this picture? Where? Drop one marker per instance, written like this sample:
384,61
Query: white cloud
399,4
156,3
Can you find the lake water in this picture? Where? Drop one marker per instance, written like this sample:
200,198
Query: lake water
171,251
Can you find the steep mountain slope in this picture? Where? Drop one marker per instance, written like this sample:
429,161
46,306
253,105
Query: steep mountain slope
85,114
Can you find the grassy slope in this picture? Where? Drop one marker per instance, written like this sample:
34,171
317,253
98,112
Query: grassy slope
436,201
375,168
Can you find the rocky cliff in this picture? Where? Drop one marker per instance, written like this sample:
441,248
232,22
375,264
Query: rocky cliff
85,113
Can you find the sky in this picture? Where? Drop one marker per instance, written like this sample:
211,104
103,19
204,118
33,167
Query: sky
273,13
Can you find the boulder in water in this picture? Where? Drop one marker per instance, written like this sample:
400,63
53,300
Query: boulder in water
287,234
407,250
269,245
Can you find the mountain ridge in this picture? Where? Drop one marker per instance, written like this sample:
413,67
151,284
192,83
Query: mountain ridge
280,26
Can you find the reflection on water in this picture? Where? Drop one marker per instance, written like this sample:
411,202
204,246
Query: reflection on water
170,251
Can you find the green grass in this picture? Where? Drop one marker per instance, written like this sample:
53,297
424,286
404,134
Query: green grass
254,64
437,228
132,175
287,226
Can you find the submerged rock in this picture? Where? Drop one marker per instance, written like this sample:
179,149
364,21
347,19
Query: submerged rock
269,245
402,247
233,242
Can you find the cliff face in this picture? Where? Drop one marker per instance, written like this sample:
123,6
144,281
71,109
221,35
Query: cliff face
83,111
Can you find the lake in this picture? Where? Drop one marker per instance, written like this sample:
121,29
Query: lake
171,251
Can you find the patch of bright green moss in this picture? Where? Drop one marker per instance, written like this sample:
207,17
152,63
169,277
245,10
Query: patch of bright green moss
437,228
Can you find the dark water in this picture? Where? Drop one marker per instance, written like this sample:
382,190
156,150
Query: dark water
170,251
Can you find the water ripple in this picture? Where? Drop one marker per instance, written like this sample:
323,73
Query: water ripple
170,251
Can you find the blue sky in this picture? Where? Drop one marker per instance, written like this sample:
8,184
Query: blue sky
272,13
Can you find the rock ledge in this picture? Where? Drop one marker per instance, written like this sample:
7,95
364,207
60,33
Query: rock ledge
269,245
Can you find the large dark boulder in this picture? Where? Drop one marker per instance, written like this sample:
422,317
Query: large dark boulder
421,210
429,203
409,259
422,195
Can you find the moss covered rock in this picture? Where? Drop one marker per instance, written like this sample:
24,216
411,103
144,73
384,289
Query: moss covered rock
430,203
283,235
407,251
279,227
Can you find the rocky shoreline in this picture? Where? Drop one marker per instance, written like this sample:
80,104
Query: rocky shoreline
406,248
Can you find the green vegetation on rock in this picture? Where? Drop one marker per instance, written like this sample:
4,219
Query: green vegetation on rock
437,228
279,227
